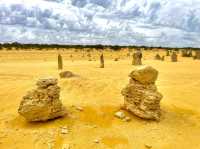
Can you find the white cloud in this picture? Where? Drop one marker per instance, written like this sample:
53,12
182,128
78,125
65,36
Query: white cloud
142,22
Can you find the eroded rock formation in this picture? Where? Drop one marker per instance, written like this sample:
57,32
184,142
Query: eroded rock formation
174,57
197,54
186,53
141,96
157,57
66,74
42,103
137,58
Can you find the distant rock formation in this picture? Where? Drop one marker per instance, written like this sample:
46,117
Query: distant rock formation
137,58
42,103
101,61
66,74
163,58
116,59
157,57
167,52
174,57
60,62
141,96
197,55
186,53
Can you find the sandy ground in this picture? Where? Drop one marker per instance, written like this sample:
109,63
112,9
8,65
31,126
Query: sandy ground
98,90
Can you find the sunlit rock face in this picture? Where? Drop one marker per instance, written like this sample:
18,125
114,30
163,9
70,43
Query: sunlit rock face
42,103
141,22
141,96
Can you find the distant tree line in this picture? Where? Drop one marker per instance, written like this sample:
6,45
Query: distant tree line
19,46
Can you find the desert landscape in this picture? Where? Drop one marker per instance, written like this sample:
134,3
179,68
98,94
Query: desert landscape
93,96
99,74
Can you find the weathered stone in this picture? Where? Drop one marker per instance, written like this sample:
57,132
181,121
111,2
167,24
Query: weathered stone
60,62
79,108
190,53
66,146
148,146
120,115
127,119
197,55
137,58
174,57
157,57
116,59
167,53
42,103
186,53
96,141
66,74
162,58
141,95
144,74
64,130
43,83
101,61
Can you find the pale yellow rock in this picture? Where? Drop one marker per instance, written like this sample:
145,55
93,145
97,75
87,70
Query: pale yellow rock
137,58
174,57
144,74
66,74
120,115
141,96
45,82
42,103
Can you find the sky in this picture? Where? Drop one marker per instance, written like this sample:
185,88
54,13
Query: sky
174,23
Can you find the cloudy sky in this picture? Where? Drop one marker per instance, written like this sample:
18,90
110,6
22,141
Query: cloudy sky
123,22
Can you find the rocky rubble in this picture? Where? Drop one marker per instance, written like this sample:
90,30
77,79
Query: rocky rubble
42,103
141,96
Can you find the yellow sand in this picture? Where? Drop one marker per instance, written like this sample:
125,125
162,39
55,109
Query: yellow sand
97,90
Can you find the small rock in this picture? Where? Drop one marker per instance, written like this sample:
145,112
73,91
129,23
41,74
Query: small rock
120,115
122,107
66,74
116,59
64,130
148,146
127,119
96,141
79,108
94,126
66,146
50,146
